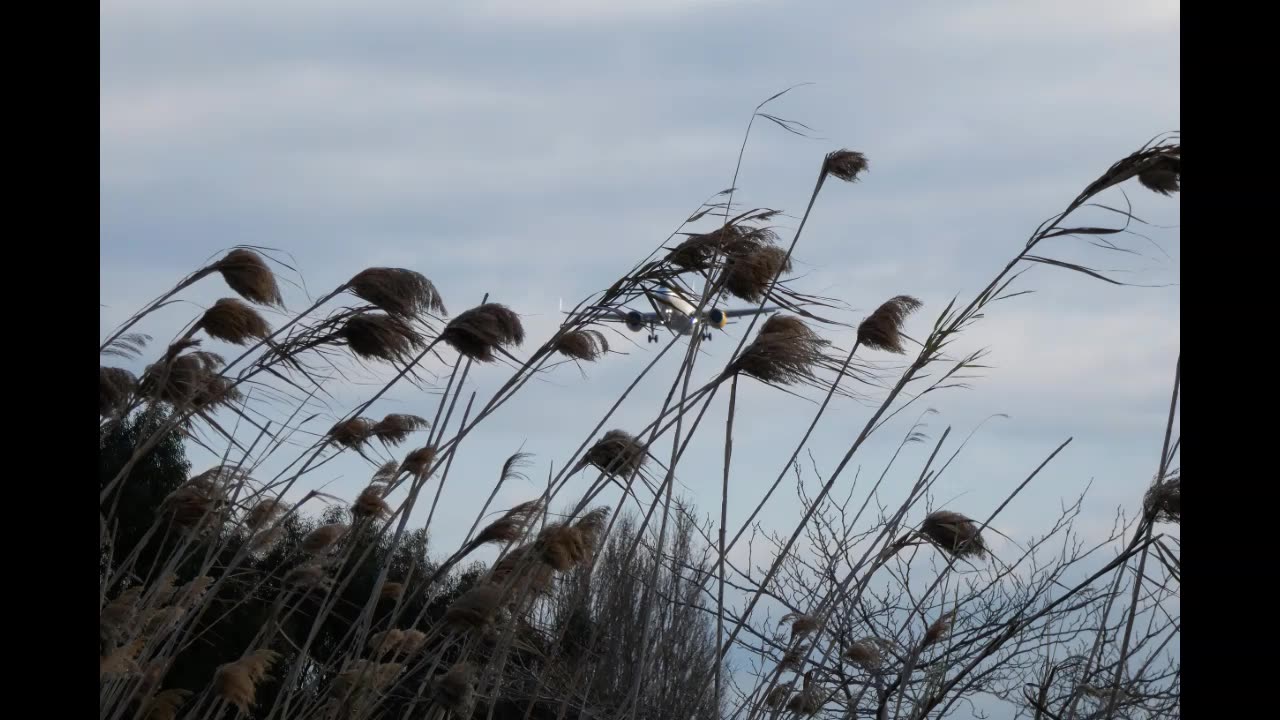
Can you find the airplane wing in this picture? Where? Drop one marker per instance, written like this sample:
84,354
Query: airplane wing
613,314
747,312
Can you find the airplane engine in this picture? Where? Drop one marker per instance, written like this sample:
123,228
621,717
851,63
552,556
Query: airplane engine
717,318
634,323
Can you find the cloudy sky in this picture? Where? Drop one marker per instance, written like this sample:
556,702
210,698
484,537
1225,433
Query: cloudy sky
536,150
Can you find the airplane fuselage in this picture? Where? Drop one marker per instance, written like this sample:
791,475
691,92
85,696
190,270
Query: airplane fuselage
676,312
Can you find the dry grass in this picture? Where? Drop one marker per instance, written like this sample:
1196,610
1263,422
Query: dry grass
322,538
262,513
845,164
375,336
864,653
700,252
954,533
809,700
801,624
237,682
617,453
232,321
749,276
937,630
777,697
562,547
247,274
392,590
397,291
352,432
371,504
1163,500
784,352
475,609
164,705
478,332
115,386
882,330
587,345
455,689
511,526
396,428
308,575
419,461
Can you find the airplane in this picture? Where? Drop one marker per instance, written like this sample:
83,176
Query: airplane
676,312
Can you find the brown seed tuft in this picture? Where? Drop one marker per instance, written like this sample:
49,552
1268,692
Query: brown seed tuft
233,321
591,524
1164,176
785,351
845,164
262,513
476,608
411,642
247,274
122,660
700,252
477,332
864,653
115,385
187,378
777,697
392,590
617,453
237,682
748,276
562,547
954,533
370,503
882,330
192,592
375,336
801,624
455,689
419,461
588,345
164,705
511,526
322,538
386,642
1163,500
534,576
199,503
395,428
308,575
937,630
793,658
397,291
352,432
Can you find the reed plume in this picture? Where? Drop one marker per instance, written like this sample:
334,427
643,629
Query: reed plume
237,682
588,345
397,291
247,274
784,352
617,453
375,336
954,533
846,165
115,385
396,428
419,461
478,332
233,321
882,330
322,538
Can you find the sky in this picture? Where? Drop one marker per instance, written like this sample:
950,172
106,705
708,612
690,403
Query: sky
536,151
